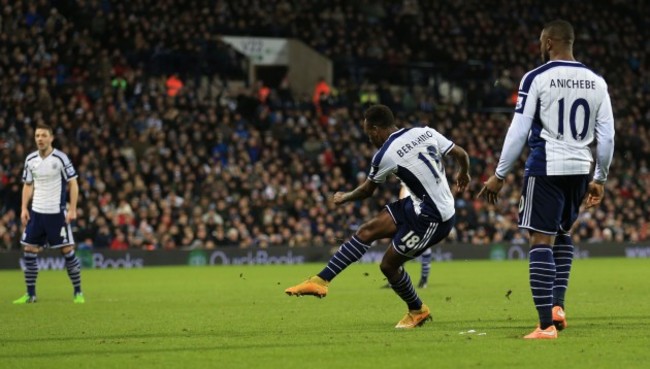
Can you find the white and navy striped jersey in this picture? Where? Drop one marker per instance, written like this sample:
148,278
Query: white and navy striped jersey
49,176
562,107
415,157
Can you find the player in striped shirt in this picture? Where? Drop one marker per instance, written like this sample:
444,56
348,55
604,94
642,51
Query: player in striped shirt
562,107
414,223
47,225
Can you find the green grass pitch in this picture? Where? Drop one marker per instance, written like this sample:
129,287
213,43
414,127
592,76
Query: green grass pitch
239,317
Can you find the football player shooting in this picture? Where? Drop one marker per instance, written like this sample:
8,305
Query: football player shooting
414,223
47,224
562,107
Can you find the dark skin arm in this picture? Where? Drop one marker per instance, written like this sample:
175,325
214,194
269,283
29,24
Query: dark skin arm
491,189
365,190
595,194
462,177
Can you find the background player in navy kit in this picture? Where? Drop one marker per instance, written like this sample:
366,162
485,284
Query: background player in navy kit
562,107
47,224
414,223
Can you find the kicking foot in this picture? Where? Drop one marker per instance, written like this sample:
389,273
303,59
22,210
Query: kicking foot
314,286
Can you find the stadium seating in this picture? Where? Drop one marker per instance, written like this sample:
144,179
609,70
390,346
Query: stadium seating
208,164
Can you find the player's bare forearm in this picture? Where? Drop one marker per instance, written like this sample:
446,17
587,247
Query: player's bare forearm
363,191
462,177
74,193
462,158
74,197
28,191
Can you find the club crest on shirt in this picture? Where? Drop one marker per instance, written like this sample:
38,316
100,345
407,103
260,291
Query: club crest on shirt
54,166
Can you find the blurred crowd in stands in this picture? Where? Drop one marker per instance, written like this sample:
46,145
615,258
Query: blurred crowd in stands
173,151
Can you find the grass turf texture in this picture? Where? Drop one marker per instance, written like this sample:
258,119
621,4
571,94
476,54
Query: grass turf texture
239,317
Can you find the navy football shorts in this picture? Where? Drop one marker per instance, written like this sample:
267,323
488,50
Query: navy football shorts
414,233
550,204
47,230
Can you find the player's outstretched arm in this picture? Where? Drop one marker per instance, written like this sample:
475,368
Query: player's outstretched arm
365,190
462,177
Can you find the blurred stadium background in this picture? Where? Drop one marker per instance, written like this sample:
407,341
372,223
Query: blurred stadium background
224,125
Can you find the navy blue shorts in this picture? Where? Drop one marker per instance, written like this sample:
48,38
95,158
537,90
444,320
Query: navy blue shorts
47,230
415,234
550,204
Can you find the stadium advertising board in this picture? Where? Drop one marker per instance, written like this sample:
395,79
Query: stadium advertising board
104,259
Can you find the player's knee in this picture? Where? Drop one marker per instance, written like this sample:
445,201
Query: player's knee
385,268
537,238
388,268
66,249
31,249
366,234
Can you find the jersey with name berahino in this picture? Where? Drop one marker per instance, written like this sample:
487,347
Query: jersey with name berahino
415,157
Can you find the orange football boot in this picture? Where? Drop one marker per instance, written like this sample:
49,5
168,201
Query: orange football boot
415,318
314,286
549,333
559,318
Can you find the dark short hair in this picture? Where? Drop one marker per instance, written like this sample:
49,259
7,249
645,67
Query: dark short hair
45,126
561,30
380,116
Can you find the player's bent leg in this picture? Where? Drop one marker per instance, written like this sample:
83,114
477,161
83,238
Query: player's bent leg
392,267
348,253
381,226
